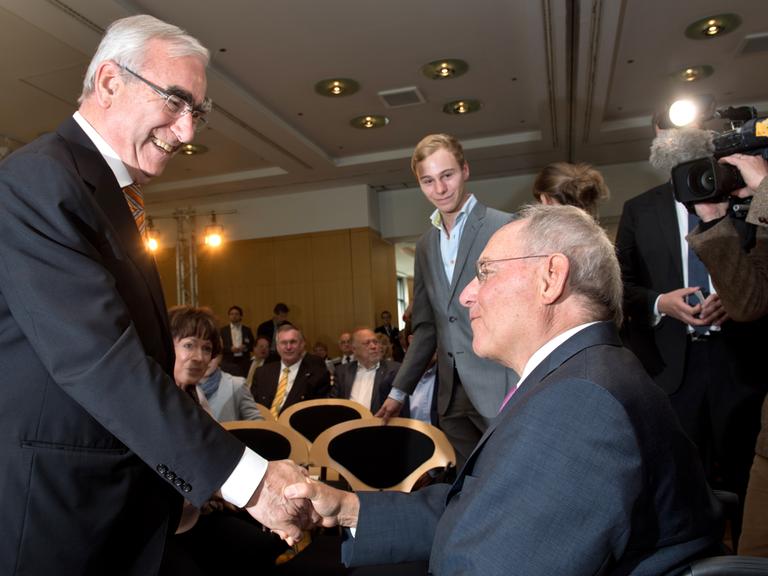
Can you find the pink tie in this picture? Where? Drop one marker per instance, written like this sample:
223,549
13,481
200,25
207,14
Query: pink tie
507,397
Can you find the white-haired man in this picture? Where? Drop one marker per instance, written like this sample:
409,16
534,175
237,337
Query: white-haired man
585,470
97,444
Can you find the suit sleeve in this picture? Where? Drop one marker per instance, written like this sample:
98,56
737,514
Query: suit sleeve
739,277
395,527
424,342
246,405
55,280
639,300
758,211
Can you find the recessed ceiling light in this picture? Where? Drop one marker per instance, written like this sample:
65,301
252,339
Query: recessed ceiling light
369,121
693,73
334,87
463,106
713,26
443,69
192,149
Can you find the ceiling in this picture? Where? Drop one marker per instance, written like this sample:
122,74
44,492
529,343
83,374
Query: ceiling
558,80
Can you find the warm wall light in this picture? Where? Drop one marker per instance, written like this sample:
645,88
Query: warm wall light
151,237
214,233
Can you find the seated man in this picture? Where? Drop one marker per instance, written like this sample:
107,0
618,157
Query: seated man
367,379
585,470
298,376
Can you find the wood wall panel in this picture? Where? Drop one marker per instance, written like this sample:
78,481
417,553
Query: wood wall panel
332,281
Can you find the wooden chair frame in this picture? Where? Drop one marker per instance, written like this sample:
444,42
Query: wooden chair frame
443,456
285,415
299,451
266,413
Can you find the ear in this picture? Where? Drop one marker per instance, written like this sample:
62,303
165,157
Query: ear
554,277
108,82
465,170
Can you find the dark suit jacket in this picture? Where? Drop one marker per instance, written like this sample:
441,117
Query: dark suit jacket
97,444
229,360
312,381
441,323
648,247
344,378
584,472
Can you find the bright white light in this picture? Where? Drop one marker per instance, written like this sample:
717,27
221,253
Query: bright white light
213,240
152,244
683,112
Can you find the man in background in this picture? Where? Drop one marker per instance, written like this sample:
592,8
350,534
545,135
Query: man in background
238,344
471,388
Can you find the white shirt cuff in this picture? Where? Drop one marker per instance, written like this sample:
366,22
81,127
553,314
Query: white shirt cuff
397,394
657,316
245,478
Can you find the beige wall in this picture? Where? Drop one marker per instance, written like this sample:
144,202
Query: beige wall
331,281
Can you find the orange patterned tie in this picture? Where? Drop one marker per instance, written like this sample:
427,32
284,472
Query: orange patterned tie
135,198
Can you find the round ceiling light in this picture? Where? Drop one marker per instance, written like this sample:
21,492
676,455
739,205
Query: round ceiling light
463,106
334,87
713,26
192,149
446,68
369,121
694,73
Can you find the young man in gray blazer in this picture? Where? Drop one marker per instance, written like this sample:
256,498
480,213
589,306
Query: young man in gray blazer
471,389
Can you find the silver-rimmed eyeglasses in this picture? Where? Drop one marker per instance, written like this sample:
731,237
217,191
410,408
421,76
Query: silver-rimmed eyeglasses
481,266
177,105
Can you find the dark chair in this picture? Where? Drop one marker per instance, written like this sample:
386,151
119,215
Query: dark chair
271,440
371,455
312,417
728,566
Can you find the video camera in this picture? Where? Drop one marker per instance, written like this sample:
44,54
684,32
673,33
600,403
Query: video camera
706,179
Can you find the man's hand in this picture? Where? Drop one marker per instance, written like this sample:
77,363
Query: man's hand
268,505
709,211
335,507
753,170
712,312
389,409
674,304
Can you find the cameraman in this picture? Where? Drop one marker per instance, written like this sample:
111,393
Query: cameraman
741,277
742,281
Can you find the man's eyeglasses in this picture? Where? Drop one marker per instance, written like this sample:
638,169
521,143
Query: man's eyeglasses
481,266
176,105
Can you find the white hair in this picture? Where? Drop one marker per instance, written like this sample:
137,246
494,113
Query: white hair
126,42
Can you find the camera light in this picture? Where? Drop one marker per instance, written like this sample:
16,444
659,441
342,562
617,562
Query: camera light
683,112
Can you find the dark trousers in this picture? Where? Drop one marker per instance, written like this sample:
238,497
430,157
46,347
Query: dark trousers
462,424
720,413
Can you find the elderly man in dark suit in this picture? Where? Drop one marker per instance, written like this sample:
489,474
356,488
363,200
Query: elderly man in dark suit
298,376
368,378
98,447
585,470
470,387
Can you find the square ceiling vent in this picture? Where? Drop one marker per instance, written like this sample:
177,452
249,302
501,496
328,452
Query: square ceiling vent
754,43
399,97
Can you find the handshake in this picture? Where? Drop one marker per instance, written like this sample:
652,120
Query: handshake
288,501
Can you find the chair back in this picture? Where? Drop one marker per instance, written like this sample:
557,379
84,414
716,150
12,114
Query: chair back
373,456
266,413
271,440
312,417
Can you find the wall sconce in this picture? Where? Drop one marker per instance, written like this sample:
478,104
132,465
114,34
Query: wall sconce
151,240
214,233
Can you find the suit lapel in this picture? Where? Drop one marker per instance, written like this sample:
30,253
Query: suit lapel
435,262
468,236
600,333
97,174
666,216
299,384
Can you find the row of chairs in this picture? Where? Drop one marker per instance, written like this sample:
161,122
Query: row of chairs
342,436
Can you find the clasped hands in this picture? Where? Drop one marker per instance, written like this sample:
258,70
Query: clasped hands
287,501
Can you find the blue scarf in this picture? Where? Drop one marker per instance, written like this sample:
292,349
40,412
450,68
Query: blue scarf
211,384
